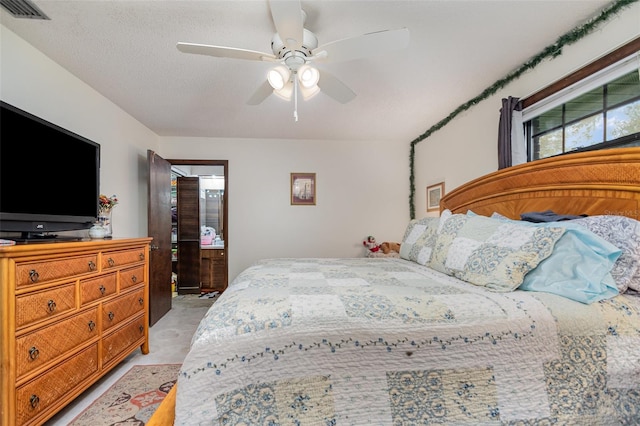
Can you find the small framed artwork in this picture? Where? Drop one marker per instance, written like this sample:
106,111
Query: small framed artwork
303,189
434,194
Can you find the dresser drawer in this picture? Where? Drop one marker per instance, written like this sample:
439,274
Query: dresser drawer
122,308
45,304
38,395
123,338
96,288
132,276
114,259
39,347
47,270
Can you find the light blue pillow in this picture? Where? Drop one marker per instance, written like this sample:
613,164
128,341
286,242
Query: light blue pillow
579,267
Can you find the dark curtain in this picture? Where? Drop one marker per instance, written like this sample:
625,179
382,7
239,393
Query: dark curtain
504,130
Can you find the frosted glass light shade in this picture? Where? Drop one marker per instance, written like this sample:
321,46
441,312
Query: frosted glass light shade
285,92
278,77
308,76
309,92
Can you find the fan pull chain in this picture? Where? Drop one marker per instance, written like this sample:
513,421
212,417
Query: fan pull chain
295,96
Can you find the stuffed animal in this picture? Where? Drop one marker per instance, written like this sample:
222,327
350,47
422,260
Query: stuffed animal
370,244
388,247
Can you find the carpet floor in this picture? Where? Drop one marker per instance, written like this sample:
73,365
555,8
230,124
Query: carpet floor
132,399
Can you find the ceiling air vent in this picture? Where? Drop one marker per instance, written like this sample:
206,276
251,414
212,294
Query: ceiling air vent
23,9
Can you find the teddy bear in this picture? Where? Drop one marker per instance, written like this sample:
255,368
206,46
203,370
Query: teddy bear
370,244
388,247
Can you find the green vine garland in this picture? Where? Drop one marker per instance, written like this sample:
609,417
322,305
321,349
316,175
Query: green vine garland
550,51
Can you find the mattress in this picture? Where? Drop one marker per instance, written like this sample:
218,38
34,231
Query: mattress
386,341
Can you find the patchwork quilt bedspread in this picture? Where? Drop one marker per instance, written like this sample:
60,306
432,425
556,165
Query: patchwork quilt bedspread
385,341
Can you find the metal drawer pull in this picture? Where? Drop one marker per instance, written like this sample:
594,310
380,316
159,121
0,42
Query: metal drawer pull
141,329
34,276
92,265
141,301
102,290
34,352
51,304
111,315
34,401
141,256
92,325
111,262
134,278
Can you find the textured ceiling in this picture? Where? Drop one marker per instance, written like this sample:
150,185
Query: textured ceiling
126,50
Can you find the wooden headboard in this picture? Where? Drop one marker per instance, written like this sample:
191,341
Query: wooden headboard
592,183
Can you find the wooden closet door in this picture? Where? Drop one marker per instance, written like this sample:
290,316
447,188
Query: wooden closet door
188,235
159,228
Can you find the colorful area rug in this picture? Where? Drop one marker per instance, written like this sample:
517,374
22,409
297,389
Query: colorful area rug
132,399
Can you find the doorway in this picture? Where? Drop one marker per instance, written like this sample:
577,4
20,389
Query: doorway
198,228
160,228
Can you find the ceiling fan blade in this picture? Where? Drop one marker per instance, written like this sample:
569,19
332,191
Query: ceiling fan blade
289,22
260,94
225,52
335,88
362,46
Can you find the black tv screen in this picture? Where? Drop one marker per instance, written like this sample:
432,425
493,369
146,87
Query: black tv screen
49,176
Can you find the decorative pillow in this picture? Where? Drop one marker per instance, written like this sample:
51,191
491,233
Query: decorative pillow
490,252
419,239
624,233
579,267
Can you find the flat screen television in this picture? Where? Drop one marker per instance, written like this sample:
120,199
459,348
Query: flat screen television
49,177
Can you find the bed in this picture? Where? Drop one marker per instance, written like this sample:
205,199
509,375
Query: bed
447,333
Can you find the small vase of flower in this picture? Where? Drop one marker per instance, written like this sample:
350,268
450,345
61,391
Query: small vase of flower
105,205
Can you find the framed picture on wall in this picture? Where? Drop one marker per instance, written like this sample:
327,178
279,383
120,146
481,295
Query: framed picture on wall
303,189
434,194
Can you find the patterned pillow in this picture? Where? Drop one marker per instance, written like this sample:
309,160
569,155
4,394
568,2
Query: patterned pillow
419,239
624,233
490,252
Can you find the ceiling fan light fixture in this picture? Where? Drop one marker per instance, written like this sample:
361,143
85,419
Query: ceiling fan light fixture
285,92
278,77
309,92
308,76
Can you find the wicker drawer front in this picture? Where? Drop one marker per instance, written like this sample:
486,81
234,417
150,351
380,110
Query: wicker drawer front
132,276
36,349
129,335
96,288
41,271
121,309
38,395
46,304
113,259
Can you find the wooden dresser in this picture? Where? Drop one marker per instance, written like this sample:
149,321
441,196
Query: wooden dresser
71,311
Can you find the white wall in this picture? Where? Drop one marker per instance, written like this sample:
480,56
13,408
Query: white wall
31,81
466,148
362,189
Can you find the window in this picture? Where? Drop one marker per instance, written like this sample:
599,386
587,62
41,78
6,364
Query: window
595,107
603,117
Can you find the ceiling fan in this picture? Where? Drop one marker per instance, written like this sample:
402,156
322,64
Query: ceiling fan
295,49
